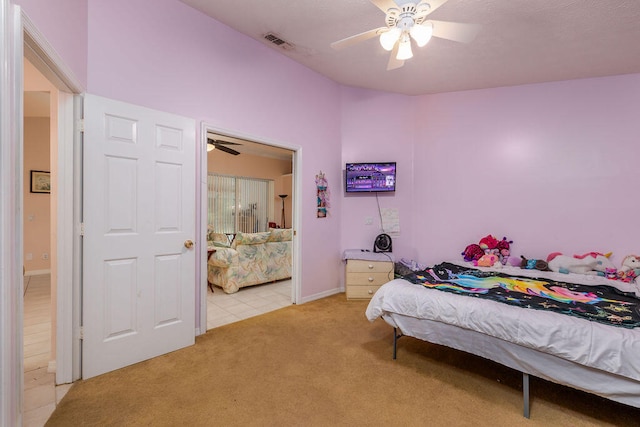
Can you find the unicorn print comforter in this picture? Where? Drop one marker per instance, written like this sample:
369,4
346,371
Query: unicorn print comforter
595,326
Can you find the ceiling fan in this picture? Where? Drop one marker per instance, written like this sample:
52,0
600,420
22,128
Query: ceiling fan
214,144
406,20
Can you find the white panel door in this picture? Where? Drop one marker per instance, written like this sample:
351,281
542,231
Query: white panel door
139,211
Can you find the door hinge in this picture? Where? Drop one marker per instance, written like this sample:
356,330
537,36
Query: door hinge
82,228
80,125
81,331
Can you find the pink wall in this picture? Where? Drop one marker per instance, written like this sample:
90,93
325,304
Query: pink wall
173,58
552,166
37,234
379,127
64,24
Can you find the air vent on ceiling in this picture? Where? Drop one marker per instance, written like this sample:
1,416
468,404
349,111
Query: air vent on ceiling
277,41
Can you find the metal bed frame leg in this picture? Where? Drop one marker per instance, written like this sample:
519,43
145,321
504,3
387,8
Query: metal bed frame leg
525,376
525,393
396,335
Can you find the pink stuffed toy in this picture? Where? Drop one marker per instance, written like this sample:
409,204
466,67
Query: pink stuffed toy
488,260
488,243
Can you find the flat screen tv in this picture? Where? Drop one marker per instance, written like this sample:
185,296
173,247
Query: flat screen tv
370,177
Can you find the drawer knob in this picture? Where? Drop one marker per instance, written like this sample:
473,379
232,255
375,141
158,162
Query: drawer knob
370,292
370,266
371,279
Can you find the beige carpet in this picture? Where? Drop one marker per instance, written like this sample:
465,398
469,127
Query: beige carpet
323,364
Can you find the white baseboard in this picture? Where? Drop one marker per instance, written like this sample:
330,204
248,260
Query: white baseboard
321,295
36,272
51,368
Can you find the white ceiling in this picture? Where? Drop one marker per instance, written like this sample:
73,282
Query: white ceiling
520,42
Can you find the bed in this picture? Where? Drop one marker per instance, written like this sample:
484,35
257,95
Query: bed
577,330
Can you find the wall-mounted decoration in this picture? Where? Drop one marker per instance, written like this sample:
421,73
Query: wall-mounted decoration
40,182
323,195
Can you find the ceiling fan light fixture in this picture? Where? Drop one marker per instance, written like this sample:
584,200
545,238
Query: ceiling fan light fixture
210,147
421,33
389,38
404,49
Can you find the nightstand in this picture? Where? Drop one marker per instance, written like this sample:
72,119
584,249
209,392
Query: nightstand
366,272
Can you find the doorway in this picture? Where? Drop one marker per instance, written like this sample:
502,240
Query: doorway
40,147
38,325
227,157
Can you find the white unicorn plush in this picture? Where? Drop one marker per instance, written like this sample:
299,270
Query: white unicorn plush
630,269
589,263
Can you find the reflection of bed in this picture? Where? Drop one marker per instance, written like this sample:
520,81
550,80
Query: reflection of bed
588,355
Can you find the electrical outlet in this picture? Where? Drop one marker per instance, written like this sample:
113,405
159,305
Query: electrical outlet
29,257
368,220
45,256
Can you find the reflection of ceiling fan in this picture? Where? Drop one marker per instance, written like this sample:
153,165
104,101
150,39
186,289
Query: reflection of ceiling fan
213,144
406,20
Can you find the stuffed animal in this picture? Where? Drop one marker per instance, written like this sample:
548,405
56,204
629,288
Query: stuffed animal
593,263
630,268
488,243
534,264
488,260
504,251
472,252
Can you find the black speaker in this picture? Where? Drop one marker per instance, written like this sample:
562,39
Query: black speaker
382,243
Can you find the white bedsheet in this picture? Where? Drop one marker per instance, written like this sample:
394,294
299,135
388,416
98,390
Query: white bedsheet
611,349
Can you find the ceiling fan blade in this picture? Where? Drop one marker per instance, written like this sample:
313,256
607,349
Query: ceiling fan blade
434,4
219,142
350,41
393,61
226,149
385,5
455,31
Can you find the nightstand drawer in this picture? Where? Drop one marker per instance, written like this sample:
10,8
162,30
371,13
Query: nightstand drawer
361,292
364,277
356,265
368,278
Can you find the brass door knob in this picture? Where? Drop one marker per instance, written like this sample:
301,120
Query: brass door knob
188,244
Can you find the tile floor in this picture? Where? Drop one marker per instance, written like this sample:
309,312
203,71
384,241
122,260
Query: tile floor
40,393
247,302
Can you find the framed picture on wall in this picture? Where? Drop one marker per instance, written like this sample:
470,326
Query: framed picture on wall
40,182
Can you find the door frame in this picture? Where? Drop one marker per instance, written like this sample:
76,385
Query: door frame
69,199
11,222
201,217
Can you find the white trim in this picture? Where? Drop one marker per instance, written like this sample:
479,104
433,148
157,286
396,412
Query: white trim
201,231
37,272
296,224
44,57
76,279
65,231
11,241
321,295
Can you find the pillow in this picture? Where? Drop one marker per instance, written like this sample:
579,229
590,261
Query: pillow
280,234
210,232
219,239
251,238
